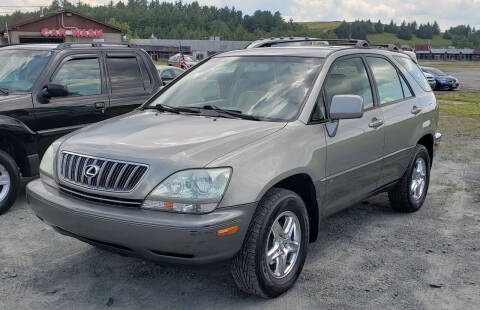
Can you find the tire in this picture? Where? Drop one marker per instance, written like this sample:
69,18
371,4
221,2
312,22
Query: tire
249,268
402,197
9,182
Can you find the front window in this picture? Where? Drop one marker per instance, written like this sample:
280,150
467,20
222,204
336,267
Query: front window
269,88
19,69
81,76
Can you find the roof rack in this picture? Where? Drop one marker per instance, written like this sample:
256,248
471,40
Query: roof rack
274,41
390,47
62,46
351,42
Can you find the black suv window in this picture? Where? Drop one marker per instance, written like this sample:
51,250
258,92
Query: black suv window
147,80
387,80
81,76
125,75
349,77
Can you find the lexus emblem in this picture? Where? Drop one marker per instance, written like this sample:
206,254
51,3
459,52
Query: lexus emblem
91,171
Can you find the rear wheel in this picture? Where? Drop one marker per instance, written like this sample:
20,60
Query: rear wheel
9,181
410,193
274,250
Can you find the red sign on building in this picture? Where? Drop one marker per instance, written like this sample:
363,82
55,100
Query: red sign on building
90,33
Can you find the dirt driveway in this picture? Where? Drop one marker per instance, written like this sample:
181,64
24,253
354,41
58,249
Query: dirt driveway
366,257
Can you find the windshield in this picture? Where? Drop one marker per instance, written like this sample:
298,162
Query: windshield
188,58
269,88
19,69
434,71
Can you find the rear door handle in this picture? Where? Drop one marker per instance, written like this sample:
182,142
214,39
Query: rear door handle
416,110
375,123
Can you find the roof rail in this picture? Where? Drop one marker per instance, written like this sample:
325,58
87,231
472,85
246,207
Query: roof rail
352,42
390,47
66,45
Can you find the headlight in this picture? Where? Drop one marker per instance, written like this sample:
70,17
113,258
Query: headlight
46,167
190,191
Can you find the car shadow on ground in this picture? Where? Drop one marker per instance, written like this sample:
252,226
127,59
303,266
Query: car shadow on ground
95,275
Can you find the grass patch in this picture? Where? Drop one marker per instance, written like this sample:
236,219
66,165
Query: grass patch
458,98
322,26
465,110
390,38
160,63
451,65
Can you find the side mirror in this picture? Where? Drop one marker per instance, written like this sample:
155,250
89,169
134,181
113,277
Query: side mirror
346,107
56,90
52,90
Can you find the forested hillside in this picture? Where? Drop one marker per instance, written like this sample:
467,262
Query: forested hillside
142,18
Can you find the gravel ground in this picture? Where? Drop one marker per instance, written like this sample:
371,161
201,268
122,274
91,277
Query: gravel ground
366,257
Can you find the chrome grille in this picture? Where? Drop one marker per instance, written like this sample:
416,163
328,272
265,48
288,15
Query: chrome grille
113,175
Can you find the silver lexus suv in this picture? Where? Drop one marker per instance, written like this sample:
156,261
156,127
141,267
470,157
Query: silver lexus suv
242,157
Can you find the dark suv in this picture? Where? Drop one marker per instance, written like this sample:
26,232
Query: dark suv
49,90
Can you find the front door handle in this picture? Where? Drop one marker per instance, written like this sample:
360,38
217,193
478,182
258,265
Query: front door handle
375,123
100,106
416,110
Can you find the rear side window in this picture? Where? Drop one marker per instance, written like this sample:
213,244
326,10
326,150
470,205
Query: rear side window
413,69
387,80
125,75
81,76
349,77
147,81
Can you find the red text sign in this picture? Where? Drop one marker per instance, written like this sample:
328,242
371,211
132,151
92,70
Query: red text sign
90,33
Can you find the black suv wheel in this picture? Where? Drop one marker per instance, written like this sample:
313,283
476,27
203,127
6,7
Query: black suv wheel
274,250
9,181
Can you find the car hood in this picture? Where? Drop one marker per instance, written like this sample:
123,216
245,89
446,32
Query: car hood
176,141
15,98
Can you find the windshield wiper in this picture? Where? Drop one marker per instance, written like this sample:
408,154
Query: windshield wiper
167,108
234,113
4,91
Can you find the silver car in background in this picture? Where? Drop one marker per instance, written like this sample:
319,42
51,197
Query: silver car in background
175,60
168,73
241,157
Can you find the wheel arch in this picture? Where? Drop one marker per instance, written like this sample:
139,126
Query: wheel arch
19,141
302,184
427,141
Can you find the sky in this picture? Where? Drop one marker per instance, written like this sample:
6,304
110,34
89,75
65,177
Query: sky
446,12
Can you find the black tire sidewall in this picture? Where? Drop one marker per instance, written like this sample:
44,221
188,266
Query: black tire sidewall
270,285
9,164
422,152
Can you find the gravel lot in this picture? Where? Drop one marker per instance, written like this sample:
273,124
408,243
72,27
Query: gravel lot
366,257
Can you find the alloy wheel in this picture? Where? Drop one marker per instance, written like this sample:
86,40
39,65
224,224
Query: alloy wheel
283,245
417,184
5,182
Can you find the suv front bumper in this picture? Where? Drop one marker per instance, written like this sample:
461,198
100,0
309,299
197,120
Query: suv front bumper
154,235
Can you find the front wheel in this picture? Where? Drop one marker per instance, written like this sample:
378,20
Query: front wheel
275,247
410,193
9,181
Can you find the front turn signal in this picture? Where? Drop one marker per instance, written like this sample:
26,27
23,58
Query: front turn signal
227,231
